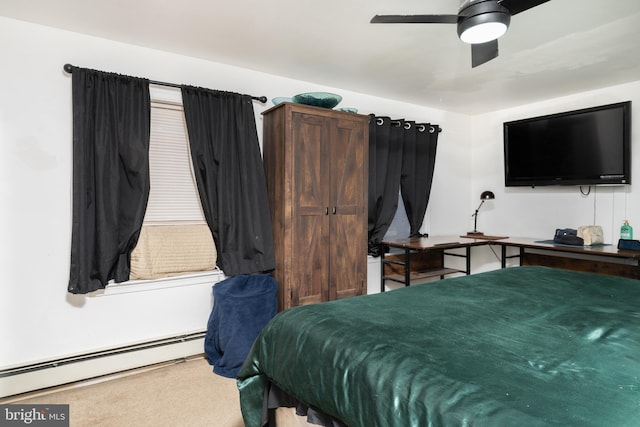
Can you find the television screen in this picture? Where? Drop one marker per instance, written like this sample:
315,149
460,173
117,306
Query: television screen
591,146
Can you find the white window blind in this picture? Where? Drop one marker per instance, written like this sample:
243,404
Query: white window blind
173,197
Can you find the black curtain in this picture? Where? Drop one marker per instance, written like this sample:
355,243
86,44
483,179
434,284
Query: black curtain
230,178
111,122
418,161
401,159
385,162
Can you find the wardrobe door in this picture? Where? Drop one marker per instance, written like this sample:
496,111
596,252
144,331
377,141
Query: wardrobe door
348,207
309,234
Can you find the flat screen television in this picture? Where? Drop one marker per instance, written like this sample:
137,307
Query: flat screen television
591,146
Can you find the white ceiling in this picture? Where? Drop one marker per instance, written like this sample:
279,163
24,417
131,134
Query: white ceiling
558,48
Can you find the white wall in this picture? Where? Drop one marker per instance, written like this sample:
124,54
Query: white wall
39,319
537,212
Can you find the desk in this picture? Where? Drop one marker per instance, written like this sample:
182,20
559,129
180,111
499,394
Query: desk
605,259
406,267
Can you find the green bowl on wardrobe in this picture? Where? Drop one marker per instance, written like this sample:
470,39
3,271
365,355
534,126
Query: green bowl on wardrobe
280,100
318,99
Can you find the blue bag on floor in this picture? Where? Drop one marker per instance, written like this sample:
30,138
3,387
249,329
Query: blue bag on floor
242,306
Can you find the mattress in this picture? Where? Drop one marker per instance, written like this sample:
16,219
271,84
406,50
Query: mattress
523,346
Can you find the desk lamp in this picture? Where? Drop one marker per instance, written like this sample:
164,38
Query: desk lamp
486,195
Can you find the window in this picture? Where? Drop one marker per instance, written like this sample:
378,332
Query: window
175,238
104,234
399,228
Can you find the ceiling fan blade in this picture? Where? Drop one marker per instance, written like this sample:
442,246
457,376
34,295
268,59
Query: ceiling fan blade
414,19
483,52
517,6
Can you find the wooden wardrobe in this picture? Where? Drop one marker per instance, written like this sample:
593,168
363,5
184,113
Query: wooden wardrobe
316,166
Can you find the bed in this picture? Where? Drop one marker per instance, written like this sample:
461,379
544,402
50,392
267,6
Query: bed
522,346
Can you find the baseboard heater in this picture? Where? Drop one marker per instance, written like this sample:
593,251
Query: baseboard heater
36,376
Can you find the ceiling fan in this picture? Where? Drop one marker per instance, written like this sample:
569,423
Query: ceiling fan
480,23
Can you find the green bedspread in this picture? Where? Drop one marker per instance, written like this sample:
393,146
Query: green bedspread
524,346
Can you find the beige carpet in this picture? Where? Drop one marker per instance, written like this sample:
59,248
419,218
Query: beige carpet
181,394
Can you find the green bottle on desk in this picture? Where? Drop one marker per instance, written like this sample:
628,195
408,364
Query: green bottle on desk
626,231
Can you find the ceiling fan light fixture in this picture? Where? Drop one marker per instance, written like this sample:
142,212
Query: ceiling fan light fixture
482,21
483,33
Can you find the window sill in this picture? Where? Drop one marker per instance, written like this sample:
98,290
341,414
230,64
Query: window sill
193,279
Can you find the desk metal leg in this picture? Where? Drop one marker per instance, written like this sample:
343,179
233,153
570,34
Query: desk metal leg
505,257
407,266
468,271
381,269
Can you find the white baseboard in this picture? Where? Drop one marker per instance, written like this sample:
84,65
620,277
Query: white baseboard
28,378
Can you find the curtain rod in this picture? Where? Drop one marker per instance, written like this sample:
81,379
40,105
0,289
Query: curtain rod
69,69
407,125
